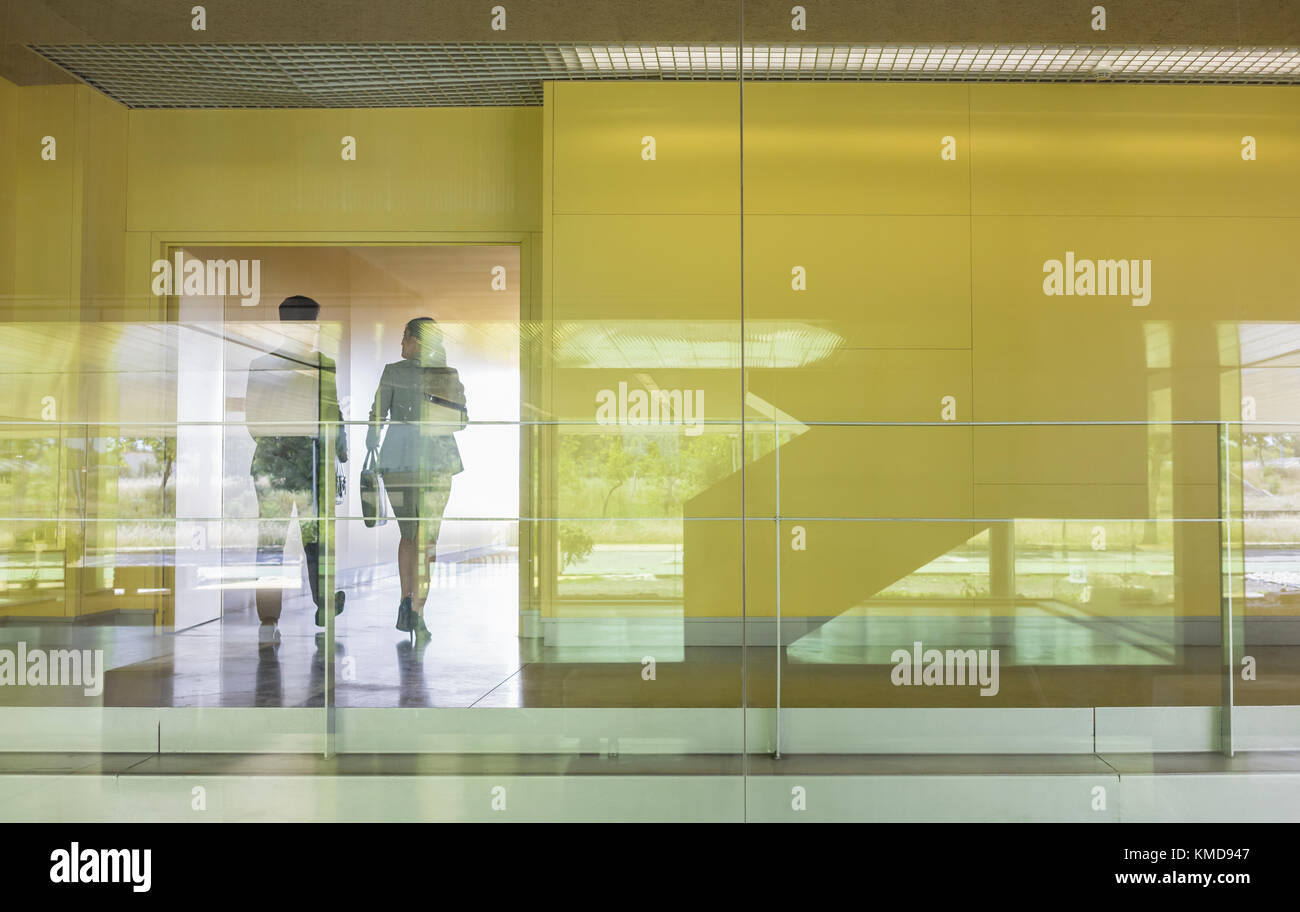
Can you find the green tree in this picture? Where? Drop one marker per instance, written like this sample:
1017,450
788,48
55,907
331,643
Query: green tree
164,454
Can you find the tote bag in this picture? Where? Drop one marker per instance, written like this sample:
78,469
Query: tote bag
372,493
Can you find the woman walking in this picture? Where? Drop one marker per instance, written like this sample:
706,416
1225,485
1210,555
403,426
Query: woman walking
422,402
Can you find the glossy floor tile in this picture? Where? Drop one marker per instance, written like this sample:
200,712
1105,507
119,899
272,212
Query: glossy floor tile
476,658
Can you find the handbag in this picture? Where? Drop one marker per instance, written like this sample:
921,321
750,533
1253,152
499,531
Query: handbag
372,492
445,412
444,417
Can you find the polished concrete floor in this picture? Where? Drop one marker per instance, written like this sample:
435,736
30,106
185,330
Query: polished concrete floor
475,658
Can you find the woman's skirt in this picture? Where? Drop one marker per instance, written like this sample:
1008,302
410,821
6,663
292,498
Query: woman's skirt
418,500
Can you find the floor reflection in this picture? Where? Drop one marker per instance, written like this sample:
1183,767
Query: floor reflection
476,658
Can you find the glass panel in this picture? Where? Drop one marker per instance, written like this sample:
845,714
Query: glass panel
993,420
799,398
642,455
199,389
234,321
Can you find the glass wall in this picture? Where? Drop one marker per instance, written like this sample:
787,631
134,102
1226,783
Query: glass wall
778,426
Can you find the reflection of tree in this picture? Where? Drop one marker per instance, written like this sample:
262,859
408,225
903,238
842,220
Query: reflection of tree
705,461
576,544
1263,446
675,466
595,457
163,450
29,486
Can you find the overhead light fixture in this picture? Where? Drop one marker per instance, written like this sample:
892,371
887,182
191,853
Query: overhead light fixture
483,74
1025,62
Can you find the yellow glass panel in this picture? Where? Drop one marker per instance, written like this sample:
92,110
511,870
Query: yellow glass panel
445,168
856,149
605,135
873,281
1134,150
661,268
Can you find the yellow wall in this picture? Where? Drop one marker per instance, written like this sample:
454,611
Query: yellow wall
924,277
927,273
8,184
102,150
43,256
453,169
66,261
123,184
61,264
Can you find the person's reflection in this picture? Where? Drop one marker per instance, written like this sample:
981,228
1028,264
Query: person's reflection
422,401
410,672
319,668
268,688
291,408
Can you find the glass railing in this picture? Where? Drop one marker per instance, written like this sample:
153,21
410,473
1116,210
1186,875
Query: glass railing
1078,584
739,586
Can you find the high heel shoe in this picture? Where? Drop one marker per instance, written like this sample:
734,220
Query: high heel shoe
417,625
404,616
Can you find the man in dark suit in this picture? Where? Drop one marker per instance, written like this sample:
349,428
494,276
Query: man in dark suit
293,416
